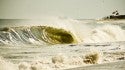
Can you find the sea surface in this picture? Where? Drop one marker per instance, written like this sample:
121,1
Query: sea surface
60,43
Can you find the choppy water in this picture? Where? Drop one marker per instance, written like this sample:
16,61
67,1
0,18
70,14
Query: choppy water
33,44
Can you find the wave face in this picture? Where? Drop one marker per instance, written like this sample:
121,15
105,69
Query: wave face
35,35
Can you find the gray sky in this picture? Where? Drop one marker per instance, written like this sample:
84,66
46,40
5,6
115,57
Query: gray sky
77,9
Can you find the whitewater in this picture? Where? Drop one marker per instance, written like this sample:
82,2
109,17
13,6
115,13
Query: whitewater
60,43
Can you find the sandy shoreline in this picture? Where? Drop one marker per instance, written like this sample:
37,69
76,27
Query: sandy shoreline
120,65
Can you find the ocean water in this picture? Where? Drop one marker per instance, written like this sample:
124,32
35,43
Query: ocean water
59,43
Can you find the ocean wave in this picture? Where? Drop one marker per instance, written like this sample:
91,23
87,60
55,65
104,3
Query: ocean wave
36,35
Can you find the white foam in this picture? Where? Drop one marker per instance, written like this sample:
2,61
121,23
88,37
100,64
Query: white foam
5,65
105,33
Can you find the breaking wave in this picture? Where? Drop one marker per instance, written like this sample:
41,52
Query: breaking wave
35,35
62,31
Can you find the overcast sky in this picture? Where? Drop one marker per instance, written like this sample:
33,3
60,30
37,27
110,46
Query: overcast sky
77,9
